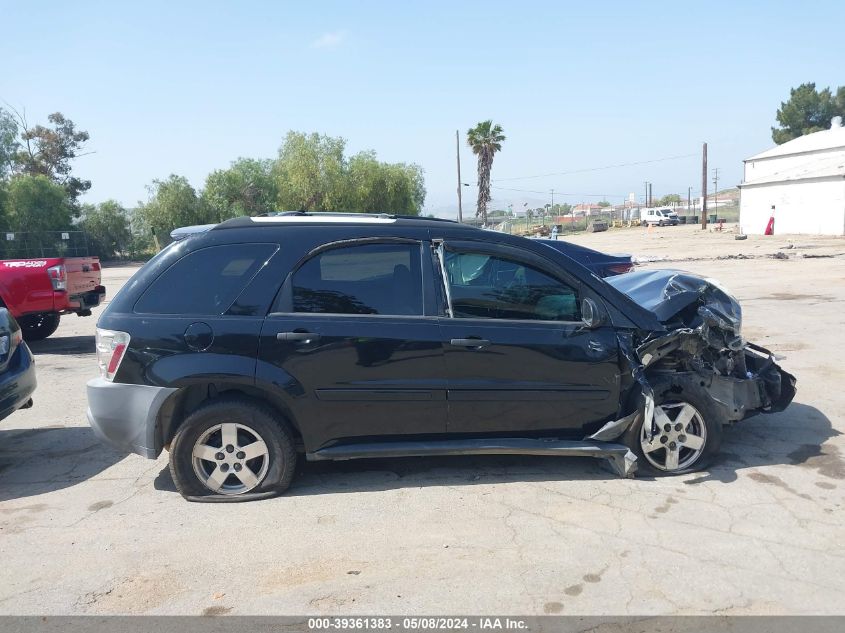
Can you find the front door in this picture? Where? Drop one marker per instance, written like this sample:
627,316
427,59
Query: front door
352,339
518,355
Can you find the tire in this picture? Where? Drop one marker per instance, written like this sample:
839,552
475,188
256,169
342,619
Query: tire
705,424
37,327
220,473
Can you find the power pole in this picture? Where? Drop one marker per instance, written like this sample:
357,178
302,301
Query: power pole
646,193
458,155
552,208
704,187
716,189
650,198
689,199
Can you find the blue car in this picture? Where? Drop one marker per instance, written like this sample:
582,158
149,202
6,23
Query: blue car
17,367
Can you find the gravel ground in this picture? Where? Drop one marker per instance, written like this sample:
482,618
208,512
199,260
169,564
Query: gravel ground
85,530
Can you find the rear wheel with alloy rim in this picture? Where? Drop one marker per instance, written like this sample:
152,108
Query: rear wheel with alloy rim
684,436
36,327
230,458
232,448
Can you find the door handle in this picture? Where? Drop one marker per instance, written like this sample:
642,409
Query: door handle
474,343
302,337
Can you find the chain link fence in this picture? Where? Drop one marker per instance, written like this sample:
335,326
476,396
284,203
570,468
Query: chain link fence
32,245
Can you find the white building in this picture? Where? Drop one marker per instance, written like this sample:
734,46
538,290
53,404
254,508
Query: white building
805,181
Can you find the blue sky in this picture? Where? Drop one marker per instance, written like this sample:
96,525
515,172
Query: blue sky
186,87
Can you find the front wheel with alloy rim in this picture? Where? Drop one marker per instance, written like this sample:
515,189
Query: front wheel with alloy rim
232,449
684,436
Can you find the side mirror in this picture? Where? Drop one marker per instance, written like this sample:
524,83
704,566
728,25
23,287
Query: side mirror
590,314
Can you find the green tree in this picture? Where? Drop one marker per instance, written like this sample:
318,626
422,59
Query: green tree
35,203
107,228
310,173
485,139
247,187
373,186
807,110
4,201
141,245
49,151
604,204
8,143
669,199
173,203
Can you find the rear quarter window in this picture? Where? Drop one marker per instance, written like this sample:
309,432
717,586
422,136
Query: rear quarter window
206,281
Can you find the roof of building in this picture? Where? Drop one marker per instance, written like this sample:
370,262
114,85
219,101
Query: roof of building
822,166
833,138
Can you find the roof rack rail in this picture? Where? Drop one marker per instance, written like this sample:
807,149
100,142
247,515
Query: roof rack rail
343,214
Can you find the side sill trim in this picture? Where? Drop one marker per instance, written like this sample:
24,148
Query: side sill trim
621,459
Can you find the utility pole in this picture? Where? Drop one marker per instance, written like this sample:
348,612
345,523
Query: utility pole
650,198
646,193
689,199
458,156
704,187
552,208
716,189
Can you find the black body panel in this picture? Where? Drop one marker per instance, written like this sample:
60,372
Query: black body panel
368,377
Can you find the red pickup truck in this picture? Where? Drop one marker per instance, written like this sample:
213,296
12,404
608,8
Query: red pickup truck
38,291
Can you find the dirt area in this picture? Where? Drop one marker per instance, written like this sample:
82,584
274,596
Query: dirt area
85,530
689,243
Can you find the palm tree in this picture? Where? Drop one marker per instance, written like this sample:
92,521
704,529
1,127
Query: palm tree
485,139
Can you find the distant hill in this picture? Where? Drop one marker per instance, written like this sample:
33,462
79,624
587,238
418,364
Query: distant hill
725,194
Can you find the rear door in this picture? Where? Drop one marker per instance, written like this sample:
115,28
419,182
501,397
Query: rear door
183,330
518,355
357,340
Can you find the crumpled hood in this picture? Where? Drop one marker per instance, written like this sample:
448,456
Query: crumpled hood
678,296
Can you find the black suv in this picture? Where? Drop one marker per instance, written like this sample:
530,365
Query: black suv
343,336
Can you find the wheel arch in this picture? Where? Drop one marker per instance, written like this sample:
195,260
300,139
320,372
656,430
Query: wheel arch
190,397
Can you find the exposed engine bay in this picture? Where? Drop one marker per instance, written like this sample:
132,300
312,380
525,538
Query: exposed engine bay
702,345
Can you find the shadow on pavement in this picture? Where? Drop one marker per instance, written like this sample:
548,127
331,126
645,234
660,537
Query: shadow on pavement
70,345
794,437
35,461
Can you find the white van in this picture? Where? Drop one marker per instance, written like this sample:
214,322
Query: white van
660,217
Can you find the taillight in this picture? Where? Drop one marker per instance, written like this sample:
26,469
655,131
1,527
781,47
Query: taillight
58,277
111,348
618,269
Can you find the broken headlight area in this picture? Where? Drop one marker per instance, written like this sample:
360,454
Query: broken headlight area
701,348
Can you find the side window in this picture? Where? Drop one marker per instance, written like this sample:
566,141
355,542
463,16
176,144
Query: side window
205,282
491,287
361,279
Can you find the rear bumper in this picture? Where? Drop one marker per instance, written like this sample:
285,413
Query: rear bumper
83,302
124,416
17,381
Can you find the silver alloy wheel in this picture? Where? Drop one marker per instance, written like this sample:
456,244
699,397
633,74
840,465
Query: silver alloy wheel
678,437
230,458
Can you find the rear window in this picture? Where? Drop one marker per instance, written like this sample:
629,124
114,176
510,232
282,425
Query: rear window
205,282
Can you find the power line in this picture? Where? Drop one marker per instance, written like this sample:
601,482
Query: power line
581,171
559,193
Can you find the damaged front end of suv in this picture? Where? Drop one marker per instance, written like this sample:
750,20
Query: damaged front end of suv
694,376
